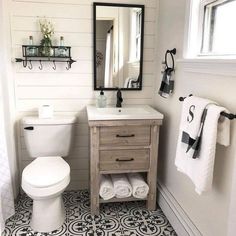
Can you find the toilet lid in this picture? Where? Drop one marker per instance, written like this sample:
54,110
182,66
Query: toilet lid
46,171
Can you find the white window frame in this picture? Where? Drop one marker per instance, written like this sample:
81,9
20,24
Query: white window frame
192,60
207,27
138,21
195,28
135,50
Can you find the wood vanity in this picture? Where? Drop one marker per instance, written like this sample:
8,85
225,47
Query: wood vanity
121,144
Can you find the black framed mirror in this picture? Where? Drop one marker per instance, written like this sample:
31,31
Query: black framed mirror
118,46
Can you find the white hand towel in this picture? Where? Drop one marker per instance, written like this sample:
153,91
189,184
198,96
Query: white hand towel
200,170
192,123
121,185
106,190
139,186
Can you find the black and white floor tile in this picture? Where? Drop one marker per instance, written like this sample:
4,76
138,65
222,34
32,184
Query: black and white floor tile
115,219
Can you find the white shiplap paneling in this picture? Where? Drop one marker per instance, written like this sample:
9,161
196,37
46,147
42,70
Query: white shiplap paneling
69,91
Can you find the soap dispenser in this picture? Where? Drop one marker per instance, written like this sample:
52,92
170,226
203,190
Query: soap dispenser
101,100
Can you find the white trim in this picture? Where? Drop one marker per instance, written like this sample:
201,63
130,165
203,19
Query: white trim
224,67
193,33
177,217
232,208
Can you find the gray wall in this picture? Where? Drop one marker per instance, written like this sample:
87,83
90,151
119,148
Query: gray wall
209,213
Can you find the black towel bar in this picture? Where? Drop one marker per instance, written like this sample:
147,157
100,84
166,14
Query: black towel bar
228,115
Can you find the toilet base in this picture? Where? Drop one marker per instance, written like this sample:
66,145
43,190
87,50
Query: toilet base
48,214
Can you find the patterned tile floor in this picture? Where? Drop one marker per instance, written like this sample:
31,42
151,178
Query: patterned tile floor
115,219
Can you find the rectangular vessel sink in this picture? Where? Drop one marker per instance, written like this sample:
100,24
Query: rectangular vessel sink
134,112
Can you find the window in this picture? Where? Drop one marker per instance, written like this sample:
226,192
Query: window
135,34
138,21
219,31
211,29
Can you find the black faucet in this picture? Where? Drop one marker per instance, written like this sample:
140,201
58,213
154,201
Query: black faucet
119,98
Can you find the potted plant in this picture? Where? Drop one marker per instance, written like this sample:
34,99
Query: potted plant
47,31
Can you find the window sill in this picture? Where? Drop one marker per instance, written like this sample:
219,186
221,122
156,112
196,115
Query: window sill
224,67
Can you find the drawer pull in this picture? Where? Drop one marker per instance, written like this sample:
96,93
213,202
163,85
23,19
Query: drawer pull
125,136
29,128
120,160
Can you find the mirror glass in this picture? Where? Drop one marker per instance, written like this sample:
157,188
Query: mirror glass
118,46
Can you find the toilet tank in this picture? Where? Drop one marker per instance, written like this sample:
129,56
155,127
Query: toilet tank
48,137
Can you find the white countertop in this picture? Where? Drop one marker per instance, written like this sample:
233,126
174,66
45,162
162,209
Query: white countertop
126,112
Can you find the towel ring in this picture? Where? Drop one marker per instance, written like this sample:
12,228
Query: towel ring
172,53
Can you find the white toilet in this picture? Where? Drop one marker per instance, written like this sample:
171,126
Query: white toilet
45,179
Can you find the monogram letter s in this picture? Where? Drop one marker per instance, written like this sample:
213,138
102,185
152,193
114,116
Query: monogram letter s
190,117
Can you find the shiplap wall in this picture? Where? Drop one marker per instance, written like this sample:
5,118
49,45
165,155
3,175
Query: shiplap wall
69,91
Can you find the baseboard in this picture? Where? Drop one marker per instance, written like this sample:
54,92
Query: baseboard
177,217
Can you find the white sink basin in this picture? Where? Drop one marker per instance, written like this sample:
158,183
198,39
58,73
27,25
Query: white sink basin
135,112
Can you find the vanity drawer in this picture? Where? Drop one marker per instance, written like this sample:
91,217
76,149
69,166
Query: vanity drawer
125,135
124,160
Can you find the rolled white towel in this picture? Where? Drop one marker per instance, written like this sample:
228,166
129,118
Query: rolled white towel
122,187
106,190
139,186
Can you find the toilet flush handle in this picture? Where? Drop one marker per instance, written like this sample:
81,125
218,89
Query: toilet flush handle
29,128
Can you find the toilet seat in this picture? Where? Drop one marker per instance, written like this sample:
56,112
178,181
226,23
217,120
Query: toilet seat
45,172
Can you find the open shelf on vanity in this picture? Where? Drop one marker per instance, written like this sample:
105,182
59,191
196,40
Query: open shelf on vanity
104,172
127,199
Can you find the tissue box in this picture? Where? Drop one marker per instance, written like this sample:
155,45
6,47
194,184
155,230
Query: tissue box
45,111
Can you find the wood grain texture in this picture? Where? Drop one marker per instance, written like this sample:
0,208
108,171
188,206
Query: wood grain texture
128,199
123,160
152,174
125,135
121,123
112,159
94,170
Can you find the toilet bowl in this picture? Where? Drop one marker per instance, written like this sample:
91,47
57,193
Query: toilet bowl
46,177
44,180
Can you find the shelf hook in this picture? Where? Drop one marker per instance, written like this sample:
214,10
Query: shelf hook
30,66
54,65
24,62
40,65
68,65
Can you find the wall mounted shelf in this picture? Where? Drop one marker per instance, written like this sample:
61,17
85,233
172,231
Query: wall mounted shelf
32,53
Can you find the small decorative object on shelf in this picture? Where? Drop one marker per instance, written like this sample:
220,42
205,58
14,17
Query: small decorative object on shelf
45,51
62,49
47,31
31,50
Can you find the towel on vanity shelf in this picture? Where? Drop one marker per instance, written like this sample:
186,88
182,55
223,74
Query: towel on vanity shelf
200,170
122,187
139,186
106,190
167,83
